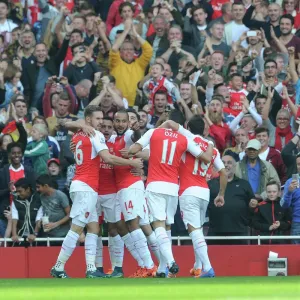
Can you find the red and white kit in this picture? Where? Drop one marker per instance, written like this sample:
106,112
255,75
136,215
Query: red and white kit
166,149
84,187
107,204
194,192
130,189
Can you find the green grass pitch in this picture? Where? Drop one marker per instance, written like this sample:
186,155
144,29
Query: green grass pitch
136,289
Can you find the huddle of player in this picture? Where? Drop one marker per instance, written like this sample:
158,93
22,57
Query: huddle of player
107,182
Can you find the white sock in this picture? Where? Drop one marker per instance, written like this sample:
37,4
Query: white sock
129,243
141,246
169,235
118,246
152,242
200,248
90,246
99,253
162,264
67,249
164,245
111,251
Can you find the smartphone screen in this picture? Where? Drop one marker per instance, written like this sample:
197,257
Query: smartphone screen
296,178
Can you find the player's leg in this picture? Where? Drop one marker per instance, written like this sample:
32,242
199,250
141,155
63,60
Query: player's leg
132,209
116,250
149,233
79,214
158,206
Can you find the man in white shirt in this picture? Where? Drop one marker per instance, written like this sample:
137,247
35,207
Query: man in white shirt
235,28
6,26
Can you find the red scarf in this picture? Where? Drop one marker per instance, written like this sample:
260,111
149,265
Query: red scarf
282,133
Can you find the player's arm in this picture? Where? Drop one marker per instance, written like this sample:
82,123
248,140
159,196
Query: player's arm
119,161
196,151
170,125
220,168
142,143
136,132
80,125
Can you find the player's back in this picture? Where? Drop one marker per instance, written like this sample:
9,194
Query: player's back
193,171
87,161
107,180
166,150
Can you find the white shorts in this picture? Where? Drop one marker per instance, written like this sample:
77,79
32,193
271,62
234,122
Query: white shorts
162,207
131,201
193,210
108,206
84,209
146,220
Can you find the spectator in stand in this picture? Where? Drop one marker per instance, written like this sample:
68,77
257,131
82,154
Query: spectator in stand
290,151
81,68
36,75
6,26
56,207
114,17
269,217
159,39
62,114
226,14
291,199
26,50
143,121
9,174
235,28
26,212
217,129
191,4
196,28
274,13
288,39
232,219
5,139
170,53
241,140
270,154
126,11
54,171
53,146
255,170
38,150
127,70
291,7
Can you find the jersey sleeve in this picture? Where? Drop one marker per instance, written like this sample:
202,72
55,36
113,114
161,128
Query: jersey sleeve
144,141
127,138
193,148
218,164
98,142
185,132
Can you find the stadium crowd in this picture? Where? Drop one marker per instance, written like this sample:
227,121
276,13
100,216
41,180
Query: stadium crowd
236,64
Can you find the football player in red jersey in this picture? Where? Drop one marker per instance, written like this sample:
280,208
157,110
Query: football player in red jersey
166,150
194,192
84,190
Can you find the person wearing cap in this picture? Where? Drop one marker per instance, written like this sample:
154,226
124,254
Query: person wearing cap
56,174
255,170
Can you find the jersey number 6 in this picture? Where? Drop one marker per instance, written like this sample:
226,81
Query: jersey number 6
78,154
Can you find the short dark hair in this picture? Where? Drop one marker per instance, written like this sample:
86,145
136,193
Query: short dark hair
15,100
232,154
273,182
196,125
237,3
177,116
260,96
23,183
288,16
107,118
132,110
160,92
82,17
46,179
124,4
270,60
142,110
64,96
77,31
219,85
196,8
236,75
89,110
259,130
14,145
77,45
122,111
40,118
162,67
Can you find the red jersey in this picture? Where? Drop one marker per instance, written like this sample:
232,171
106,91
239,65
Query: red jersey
193,171
217,7
124,178
235,105
107,181
166,150
87,161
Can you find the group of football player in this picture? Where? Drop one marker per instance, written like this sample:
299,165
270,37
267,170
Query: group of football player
108,185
